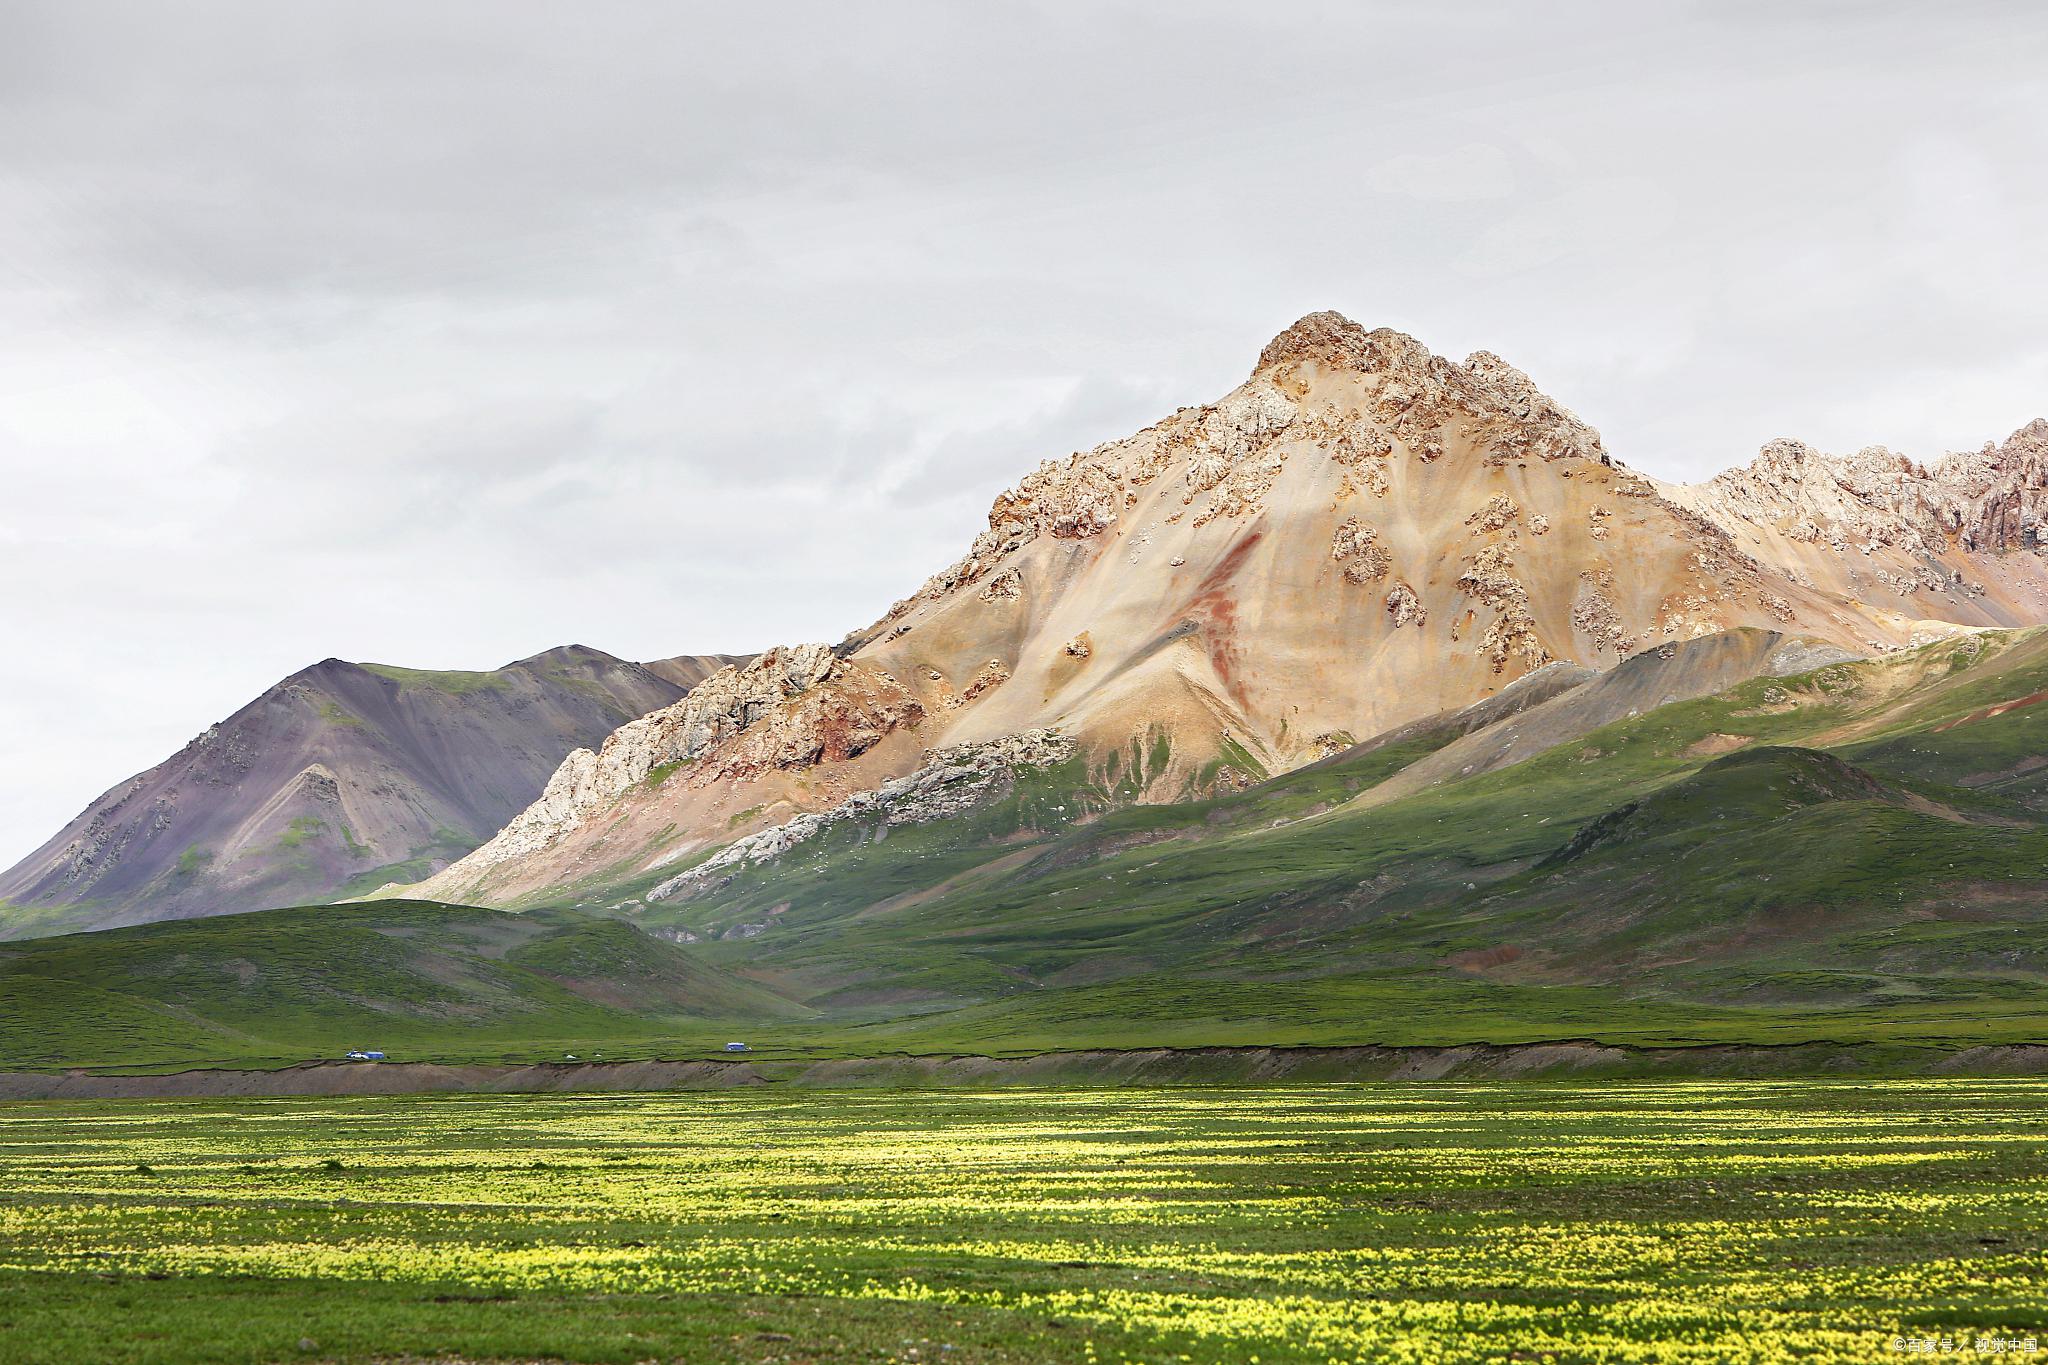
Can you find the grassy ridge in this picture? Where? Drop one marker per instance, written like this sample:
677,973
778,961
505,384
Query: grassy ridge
405,976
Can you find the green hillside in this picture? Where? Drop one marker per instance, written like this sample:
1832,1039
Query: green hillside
411,978
1853,853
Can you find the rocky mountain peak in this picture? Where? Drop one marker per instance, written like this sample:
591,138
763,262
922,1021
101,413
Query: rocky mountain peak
1361,533
1330,339
1334,344
1327,385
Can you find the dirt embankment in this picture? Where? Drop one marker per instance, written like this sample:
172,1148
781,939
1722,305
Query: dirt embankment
1158,1066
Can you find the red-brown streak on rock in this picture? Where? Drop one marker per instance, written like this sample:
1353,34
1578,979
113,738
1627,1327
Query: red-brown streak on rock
1989,712
1216,609
832,722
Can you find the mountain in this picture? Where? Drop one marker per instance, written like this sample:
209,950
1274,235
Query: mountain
337,780
1799,849
1360,536
1374,703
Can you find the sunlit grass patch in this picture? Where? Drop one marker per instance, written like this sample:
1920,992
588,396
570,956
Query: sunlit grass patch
1695,1221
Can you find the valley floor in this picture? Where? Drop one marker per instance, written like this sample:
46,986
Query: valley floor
1666,1221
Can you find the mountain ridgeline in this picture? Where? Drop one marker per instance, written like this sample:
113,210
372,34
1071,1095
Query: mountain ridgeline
1361,535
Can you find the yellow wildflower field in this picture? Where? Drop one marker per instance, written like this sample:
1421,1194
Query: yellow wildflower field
1706,1221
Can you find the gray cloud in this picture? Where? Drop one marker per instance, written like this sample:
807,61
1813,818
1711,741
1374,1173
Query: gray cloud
441,334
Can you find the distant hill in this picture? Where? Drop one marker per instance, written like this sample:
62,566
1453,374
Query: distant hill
337,780
319,981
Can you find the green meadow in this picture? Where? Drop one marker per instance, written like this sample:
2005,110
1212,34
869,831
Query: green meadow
1682,1222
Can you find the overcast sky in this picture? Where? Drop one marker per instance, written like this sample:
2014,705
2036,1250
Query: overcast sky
441,333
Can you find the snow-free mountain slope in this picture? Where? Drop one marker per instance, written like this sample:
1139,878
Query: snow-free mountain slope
341,777
1360,535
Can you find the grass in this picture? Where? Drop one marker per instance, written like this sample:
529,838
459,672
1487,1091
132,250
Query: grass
1692,1222
445,847
454,682
662,772
304,828
334,713
413,978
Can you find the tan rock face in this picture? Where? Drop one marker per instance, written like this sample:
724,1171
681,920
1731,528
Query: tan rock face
1958,539
1360,534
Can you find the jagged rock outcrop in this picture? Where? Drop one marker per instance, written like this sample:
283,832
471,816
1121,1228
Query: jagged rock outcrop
1981,500
1007,586
1870,496
1595,616
1999,492
742,720
1357,547
1977,500
850,709
1958,538
951,782
1404,607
